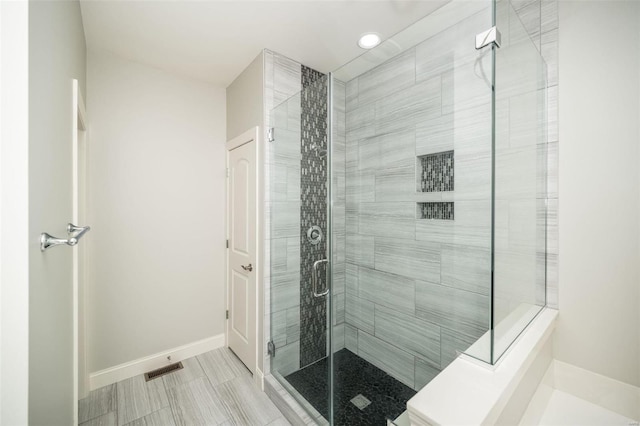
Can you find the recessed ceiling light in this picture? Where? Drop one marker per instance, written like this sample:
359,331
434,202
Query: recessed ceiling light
369,40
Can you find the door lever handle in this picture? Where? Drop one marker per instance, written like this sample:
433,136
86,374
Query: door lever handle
247,268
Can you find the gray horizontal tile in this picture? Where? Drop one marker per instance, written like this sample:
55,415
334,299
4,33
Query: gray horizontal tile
360,185
463,88
388,219
425,372
285,291
99,402
404,109
409,333
388,358
466,268
279,328
471,227
451,47
387,151
351,338
108,419
351,279
245,403
360,250
338,337
221,365
196,402
138,398
386,289
352,90
191,371
293,324
162,417
388,78
408,258
285,219
395,184
453,344
361,123
359,313
458,310
287,359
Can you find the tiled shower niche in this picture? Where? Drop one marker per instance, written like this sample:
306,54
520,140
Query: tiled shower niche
437,210
436,172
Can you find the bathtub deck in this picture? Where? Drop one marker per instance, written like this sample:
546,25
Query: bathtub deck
568,410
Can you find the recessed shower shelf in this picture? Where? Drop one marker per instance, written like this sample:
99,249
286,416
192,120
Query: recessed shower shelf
443,210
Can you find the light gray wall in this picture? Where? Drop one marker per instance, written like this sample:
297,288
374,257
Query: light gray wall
598,328
57,54
245,99
156,184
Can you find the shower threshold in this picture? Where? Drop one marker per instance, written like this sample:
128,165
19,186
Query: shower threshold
363,393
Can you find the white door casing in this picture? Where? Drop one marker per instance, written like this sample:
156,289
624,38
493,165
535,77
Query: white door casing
242,260
81,379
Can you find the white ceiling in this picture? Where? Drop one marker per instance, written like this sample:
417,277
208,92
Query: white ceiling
214,40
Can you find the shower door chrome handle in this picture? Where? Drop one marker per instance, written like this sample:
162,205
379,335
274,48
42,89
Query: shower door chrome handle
314,278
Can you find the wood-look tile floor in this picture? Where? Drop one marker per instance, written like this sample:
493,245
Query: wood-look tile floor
212,389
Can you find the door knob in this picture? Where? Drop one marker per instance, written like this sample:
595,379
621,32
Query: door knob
247,268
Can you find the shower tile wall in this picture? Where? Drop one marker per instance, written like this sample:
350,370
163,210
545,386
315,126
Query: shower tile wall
417,290
282,80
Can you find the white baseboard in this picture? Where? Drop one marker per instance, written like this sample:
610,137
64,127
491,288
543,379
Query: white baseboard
259,379
133,368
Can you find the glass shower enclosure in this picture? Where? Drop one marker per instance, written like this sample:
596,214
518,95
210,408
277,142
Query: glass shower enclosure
408,212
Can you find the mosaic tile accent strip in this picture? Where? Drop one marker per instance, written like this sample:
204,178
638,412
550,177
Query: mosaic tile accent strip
437,172
438,210
313,212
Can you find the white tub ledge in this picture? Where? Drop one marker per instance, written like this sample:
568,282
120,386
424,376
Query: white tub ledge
468,392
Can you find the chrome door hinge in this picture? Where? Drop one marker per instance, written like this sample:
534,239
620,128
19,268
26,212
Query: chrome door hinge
485,38
227,314
271,134
227,243
271,348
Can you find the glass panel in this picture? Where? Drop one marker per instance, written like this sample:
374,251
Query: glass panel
298,194
411,145
520,181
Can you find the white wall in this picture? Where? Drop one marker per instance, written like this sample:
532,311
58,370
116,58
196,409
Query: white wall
245,99
245,109
57,54
14,218
156,160
599,327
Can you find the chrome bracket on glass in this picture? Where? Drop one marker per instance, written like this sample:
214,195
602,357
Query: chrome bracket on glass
485,38
314,278
75,233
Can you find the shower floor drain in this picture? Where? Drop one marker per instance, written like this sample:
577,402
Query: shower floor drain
361,402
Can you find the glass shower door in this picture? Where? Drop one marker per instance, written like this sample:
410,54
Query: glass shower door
300,297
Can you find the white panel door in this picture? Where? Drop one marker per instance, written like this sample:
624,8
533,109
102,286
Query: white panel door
241,268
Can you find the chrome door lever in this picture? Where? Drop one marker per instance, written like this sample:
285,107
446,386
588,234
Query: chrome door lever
76,232
247,268
314,278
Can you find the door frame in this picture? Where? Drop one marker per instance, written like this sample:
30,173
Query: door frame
14,212
251,135
79,136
